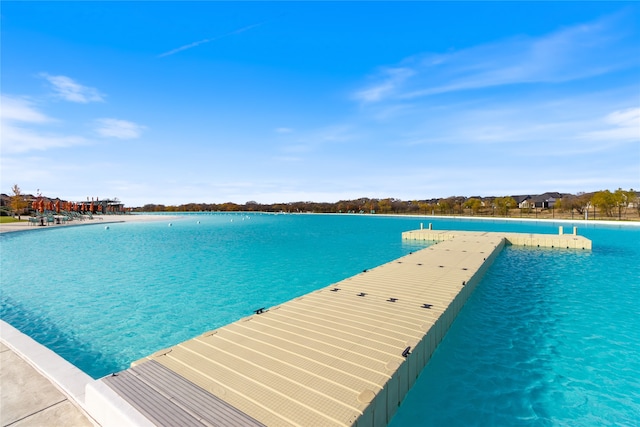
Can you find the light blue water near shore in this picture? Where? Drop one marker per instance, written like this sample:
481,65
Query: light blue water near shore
549,337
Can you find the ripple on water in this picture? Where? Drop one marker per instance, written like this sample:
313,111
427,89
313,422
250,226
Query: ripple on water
541,341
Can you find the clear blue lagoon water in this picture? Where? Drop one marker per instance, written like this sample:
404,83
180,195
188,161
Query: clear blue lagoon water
549,336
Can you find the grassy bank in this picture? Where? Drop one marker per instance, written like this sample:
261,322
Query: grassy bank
10,219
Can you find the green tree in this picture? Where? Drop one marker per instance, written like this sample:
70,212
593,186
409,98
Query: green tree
504,204
252,205
634,198
604,200
424,207
473,204
626,199
620,198
446,205
384,205
149,207
18,203
373,206
413,207
580,202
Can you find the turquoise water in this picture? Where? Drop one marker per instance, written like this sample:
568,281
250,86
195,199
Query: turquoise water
549,337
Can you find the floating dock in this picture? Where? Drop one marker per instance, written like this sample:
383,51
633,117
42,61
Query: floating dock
345,355
560,240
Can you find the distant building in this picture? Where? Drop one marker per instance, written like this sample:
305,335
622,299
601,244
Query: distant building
542,201
546,200
524,201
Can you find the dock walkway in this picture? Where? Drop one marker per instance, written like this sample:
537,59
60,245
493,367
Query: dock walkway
345,355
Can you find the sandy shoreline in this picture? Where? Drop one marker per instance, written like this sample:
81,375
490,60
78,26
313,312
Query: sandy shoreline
108,219
97,219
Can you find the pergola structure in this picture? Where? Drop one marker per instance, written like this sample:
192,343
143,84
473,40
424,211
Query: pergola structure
97,206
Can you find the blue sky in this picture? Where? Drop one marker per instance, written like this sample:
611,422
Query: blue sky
168,102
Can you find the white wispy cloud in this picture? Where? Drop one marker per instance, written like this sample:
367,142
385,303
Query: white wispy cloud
203,41
69,90
568,54
389,80
16,139
532,127
116,128
619,126
26,128
17,117
20,110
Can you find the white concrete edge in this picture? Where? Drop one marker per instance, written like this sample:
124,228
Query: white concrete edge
106,406
576,221
551,221
99,403
71,380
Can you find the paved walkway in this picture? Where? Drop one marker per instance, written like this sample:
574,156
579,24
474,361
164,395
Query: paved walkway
24,225
106,219
27,398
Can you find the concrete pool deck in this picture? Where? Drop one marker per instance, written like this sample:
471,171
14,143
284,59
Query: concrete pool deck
40,388
29,396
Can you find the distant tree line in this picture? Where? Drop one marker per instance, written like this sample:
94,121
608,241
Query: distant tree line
603,203
600,204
